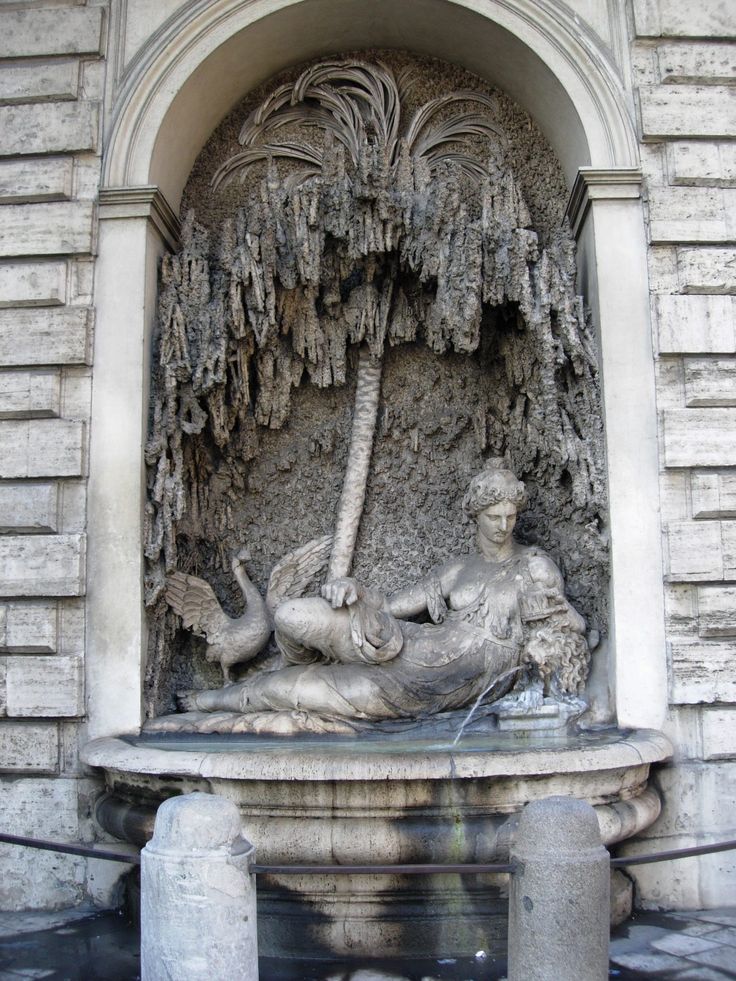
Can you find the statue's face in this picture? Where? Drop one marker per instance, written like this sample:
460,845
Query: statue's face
496,522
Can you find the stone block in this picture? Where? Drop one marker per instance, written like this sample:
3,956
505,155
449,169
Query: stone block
39,82
713,495
703,672
40,807
697,62
44,687
692,214
42,565
32,284
29,627
76,387
29,394
30,508
728,539
686,111
32,879
717,611
71,625
694,551
702,163
41,448
707,270
53,127
710,382
719,733
36,179
56,228
45,336
29,747
39,32
699,437
697,324
707,18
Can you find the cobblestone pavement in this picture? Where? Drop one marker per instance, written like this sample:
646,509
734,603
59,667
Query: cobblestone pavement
84,945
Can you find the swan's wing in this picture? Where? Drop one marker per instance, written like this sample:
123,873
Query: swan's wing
196,604
292,575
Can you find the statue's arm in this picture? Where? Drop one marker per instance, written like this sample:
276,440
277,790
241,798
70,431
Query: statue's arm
547,595
412,600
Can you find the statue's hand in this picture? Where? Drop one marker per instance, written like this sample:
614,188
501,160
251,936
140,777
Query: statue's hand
341,592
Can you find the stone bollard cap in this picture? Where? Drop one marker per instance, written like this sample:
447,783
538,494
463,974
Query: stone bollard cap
199,822
558,826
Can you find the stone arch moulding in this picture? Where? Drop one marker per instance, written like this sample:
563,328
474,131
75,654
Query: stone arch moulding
176,90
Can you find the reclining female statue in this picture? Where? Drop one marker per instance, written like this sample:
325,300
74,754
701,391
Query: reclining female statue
355,654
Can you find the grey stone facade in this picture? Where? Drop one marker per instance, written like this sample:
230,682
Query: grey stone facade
67,74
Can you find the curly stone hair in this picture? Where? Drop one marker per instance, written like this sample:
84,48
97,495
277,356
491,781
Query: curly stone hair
491,486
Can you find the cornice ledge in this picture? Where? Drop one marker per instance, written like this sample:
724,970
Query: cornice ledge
594,184
145,201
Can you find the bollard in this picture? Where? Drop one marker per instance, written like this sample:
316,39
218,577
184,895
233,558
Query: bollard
198,900
559,895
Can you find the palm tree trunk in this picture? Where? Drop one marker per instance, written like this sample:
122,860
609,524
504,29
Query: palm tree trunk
359,457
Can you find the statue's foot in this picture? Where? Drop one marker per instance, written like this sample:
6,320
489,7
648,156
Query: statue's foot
186,701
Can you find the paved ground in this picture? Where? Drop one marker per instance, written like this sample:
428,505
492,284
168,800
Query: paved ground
80,945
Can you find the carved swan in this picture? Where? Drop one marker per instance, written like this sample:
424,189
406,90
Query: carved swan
238,640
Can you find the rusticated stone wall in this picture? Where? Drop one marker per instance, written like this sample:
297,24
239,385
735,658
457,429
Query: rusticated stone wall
51,91
678,63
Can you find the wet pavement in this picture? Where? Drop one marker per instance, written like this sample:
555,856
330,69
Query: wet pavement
84,945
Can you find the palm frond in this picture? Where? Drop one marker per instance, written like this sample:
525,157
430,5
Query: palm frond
241,162
424,115
457,130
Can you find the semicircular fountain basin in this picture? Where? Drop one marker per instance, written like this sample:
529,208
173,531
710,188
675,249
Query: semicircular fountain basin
380,800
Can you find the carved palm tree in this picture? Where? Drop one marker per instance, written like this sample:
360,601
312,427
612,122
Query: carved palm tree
358,106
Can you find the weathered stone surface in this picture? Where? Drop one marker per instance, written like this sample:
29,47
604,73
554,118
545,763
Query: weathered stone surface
45,336
697,62
41,565
56,228
29,627
29,747
713,495
28,507
694,551
41,448
717,611
719,734
44,687
71,625
54,127
559,898
707,270
198,902
36,179
49,32
702,163
699,437
703,672
32,284
709,18
29,394
39,82
685,111
710,382
689,214
690,323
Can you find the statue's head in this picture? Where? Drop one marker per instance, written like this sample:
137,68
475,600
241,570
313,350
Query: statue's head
493,485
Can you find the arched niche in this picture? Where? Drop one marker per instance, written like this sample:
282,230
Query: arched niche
176,90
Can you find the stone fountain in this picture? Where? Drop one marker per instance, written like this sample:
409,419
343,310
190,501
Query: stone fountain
405,665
